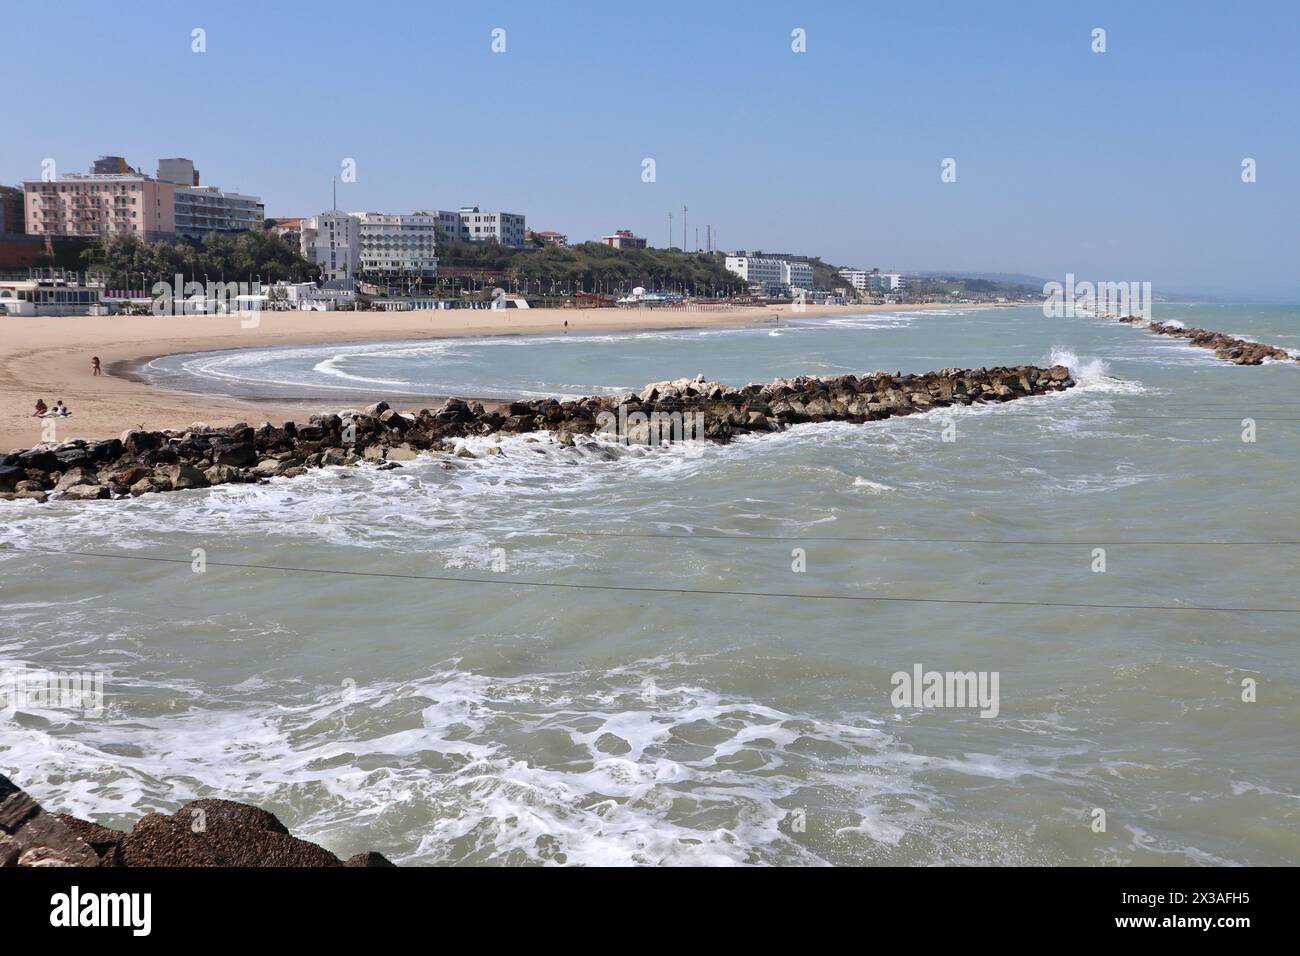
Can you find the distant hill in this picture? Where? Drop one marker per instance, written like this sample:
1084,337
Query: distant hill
1011,278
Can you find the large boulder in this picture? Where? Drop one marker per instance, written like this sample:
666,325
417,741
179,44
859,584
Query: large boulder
85,493
31,837
219,833
149,485
235,454
38,459
183,476
77,476
102,452
10,475
138,442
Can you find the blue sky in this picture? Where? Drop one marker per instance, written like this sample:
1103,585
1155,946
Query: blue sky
1115,166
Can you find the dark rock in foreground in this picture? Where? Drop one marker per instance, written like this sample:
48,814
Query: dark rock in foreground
1234,350
201,833
143,462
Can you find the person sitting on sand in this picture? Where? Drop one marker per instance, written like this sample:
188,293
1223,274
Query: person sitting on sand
60,409
41,408
94,365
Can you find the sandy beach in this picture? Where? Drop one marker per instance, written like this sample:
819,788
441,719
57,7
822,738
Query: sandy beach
50,358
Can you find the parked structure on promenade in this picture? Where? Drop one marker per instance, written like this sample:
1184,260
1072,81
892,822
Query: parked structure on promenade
52,292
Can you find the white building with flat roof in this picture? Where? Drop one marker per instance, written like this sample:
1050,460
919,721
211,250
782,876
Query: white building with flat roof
204,209
471,224
874,281
797,275
759,271
885,282
333,241
856,278
398,244
775,276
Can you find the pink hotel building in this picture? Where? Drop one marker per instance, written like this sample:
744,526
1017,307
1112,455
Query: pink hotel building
101,204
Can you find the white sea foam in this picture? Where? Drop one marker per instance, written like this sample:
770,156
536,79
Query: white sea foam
875,487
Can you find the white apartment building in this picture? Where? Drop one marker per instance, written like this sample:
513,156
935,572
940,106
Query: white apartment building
797,275
856,278
776,276
333,240
886,281
204,209
405,245
759,270
874,281
472,224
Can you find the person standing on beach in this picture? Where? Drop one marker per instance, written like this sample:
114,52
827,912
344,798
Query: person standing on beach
94,365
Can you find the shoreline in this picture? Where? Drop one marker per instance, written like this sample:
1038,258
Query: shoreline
684,410
49,358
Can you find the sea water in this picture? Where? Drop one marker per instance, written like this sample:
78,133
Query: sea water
721,688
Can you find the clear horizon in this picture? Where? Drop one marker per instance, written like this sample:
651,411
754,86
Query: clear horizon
1119,166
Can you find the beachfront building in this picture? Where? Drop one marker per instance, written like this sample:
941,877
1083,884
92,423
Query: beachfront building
100,205
116,199
51,294
306,297
797,276
856,278
288,229
333,241
885,282
549,238
874,282
399,245
623,239
769,275
471,224
204,209
13,215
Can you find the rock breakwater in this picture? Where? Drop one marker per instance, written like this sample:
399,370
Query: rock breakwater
1226,347
201,833
147,462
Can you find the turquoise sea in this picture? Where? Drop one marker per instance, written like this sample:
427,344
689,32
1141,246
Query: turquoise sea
639,721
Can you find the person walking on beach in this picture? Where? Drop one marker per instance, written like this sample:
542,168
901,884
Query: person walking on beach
94,365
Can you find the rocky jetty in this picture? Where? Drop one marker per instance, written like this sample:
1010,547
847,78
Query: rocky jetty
146,462
1234,350
201,833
